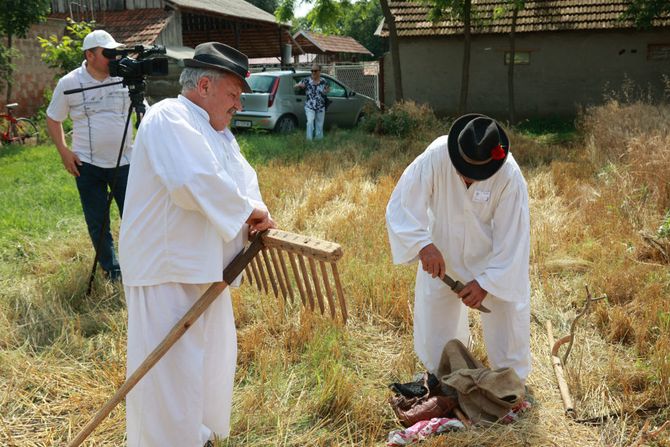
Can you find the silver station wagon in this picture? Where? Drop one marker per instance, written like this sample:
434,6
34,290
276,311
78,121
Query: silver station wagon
277,105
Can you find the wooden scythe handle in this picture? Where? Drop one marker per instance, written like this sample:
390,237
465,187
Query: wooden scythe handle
229,274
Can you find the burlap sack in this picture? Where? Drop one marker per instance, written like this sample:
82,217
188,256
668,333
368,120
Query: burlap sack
484,395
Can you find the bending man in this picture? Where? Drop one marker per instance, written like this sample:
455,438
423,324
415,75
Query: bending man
192,200
461,208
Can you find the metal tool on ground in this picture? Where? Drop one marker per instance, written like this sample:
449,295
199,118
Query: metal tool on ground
275,242
457,286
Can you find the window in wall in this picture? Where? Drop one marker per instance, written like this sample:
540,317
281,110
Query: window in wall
658,52
520,57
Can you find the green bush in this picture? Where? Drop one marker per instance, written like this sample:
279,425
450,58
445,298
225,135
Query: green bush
664,229
401,119
65,54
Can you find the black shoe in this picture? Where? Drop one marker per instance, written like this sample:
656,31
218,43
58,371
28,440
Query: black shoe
208,444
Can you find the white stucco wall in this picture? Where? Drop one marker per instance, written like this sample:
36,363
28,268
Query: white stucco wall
566,70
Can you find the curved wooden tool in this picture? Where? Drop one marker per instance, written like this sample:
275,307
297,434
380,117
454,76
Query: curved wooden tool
308,258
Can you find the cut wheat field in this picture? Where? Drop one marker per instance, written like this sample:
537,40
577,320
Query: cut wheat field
599,216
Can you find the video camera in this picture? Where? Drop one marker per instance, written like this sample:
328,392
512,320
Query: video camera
134,70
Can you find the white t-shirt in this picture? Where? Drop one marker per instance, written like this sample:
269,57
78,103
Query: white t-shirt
98,117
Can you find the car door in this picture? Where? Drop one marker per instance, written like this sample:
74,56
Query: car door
341,109
300,98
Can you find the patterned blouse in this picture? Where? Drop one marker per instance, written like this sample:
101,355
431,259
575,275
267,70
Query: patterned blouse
316,94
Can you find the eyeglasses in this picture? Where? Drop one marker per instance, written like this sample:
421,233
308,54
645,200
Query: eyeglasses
315,71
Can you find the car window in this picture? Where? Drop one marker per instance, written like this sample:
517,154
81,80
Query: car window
336,90
261,83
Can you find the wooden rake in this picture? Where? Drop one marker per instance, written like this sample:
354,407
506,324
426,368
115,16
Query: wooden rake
303,253
271,246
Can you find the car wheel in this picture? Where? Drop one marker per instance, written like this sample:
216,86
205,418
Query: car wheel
286,124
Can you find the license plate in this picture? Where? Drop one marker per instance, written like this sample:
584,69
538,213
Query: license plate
240,123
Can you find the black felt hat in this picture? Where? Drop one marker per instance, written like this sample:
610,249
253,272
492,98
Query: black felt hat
218,56
478,146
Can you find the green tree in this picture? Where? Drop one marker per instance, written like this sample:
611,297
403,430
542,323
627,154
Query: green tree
16,17
65,54
6,65
395,49
514,6
266,5
643,12
460,10
360,20
357,19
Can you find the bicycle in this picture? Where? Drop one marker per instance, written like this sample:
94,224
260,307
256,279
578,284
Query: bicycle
16,130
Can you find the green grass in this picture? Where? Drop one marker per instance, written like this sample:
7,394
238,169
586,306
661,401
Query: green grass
550,130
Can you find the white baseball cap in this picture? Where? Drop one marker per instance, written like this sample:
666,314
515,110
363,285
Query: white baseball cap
99,38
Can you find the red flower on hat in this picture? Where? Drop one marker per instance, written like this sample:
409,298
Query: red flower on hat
248,74
498,152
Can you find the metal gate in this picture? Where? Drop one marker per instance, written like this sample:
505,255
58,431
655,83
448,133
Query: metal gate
363,77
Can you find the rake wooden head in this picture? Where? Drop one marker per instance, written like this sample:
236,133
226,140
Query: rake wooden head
270,266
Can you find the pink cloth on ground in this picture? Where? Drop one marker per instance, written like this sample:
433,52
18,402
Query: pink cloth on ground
425,429
422,430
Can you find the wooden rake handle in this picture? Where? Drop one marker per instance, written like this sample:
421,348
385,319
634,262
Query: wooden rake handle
229,274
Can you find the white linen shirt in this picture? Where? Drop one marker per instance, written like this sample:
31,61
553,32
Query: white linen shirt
483,232
98,117
189,194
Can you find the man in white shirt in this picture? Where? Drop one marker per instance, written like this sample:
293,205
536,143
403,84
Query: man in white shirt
192,200
98,117
461,208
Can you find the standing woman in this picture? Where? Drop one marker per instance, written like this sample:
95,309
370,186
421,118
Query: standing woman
316,90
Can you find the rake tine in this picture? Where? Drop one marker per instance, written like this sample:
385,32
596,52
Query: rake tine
247,274
261,273
305,278
329,291
270,274
296,273
315,280
257,278
340,294
280,279
287,278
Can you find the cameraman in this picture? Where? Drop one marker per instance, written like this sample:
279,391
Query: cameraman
98,118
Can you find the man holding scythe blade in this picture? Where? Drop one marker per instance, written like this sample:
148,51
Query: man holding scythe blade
461,209
191,202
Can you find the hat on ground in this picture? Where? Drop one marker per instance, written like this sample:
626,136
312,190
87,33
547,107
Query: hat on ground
99,38
218,56
478,146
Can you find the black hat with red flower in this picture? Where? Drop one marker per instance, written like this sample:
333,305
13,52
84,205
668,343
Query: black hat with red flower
478,146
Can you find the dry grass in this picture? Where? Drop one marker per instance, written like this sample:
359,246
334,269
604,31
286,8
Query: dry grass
305,381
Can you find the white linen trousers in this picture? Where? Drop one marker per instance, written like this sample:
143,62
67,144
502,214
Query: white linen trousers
169,406
440,316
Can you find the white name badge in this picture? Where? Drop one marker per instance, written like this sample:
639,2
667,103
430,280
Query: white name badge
481,196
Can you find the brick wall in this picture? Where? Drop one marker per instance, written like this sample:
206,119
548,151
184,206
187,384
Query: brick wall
32,75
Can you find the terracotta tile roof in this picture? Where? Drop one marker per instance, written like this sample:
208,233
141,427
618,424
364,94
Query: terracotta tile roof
235,8
132,26
310,41
538,15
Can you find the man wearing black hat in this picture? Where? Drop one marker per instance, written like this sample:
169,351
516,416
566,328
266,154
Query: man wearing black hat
461,209
191,201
